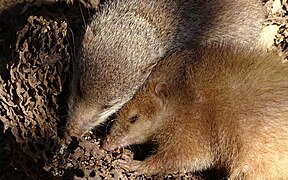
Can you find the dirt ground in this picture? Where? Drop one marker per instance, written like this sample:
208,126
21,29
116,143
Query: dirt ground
38,39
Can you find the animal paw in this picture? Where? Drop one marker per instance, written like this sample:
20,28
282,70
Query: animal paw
132,166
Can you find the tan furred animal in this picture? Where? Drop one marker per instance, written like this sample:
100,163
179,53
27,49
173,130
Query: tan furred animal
127,37
213,107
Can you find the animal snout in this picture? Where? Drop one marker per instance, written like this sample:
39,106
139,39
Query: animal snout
108,145
70,133
67,138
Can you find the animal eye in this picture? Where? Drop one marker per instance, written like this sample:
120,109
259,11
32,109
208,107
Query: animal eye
133,119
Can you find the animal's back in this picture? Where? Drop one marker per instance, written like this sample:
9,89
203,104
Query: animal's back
238,75
178,22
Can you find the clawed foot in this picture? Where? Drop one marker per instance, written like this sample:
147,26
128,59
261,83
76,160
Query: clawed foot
132,166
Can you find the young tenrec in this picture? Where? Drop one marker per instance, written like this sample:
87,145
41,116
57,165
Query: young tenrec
213,107
127,37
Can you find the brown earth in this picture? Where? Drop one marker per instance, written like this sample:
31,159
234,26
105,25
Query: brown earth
37,41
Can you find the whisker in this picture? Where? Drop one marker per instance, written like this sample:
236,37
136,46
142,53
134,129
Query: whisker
129,147
64,116
139,148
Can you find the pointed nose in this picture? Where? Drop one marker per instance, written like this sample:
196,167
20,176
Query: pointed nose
71,132
108,145
67,138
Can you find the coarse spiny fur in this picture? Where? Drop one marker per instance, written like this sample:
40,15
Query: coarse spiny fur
127,37
210,107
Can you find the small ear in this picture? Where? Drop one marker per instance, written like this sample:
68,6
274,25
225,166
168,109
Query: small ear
162,90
